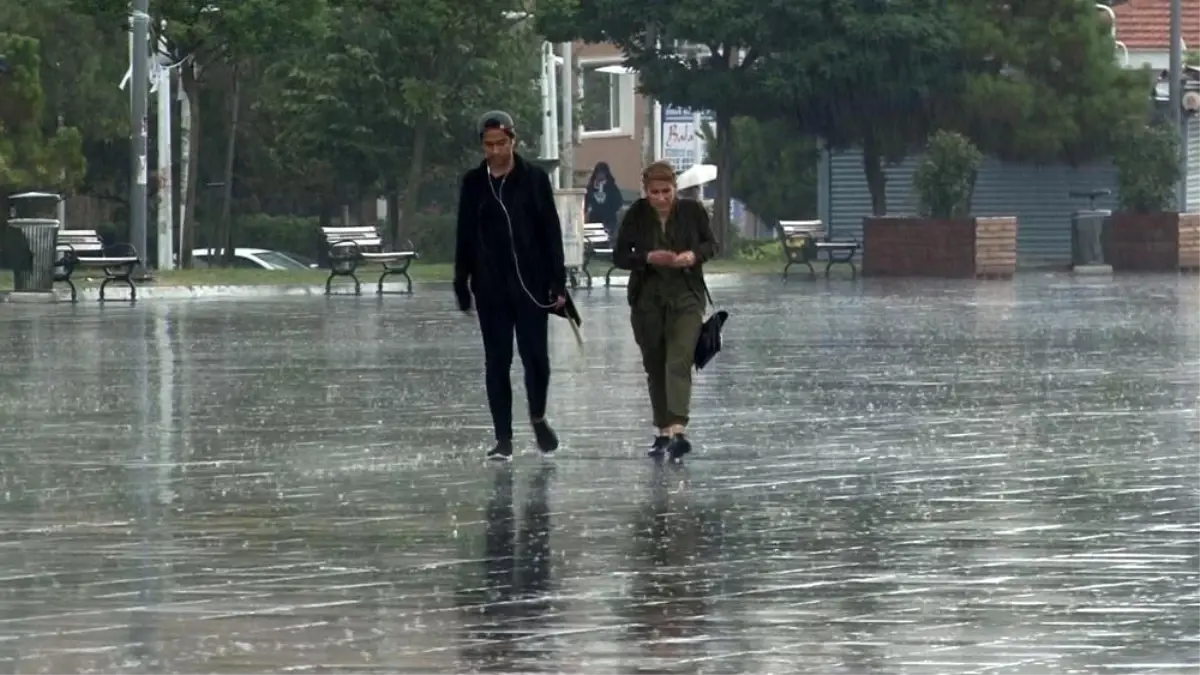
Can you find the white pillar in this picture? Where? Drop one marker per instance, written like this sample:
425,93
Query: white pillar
567,130
655,132
552,92
549,133
185,154
166,186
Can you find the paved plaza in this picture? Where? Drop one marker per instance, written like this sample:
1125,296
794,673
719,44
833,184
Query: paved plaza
891,477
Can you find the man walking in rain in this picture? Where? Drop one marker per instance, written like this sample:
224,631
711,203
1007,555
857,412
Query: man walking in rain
508,264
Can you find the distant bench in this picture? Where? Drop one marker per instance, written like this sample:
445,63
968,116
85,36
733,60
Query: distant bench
349,247
83,249
597,245
804,241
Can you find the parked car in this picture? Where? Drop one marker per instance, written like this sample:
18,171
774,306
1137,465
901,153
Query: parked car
250,258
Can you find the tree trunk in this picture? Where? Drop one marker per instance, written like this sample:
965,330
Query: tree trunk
722,223
328,204
189,160
391,195
226,237
412,187
876,178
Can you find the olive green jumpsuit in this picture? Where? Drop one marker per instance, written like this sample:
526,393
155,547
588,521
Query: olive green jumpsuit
666,304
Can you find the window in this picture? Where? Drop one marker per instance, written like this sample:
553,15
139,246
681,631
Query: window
240,263
606,93
281,261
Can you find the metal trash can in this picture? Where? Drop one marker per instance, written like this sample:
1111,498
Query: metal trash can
31,240
1087,237
1087,230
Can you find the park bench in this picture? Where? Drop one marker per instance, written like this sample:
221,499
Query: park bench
804,241
597,245
346,248
84,249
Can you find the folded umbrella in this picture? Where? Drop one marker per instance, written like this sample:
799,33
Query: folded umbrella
571,313
708,345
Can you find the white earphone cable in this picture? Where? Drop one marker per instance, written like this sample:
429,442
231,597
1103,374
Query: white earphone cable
512,242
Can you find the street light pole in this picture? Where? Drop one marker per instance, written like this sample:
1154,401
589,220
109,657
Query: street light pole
139,76
1175,96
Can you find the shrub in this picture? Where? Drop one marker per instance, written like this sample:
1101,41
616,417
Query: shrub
945,178
1147,161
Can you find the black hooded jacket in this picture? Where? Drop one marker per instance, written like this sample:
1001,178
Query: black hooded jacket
483,256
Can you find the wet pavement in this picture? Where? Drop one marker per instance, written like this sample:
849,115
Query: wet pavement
891,477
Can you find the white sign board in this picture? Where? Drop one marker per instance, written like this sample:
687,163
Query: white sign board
569,203
683,144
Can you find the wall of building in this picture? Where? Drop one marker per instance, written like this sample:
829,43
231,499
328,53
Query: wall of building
1155,59
1193,156
622,150
1036,195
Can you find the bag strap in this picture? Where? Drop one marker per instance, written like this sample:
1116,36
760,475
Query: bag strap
687,279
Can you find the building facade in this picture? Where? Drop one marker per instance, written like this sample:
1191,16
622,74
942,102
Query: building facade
611,116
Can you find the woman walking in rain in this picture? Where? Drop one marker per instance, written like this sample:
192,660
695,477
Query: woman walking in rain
603,200
664,242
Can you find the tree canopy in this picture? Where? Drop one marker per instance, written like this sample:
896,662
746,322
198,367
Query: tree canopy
31,156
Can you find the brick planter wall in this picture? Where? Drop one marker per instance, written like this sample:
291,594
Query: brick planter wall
925,247
1153,242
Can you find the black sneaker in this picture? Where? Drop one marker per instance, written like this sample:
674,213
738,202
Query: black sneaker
502,452
660,445
678,446
547,440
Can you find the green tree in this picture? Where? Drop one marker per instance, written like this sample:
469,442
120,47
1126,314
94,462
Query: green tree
391,98
1147,161
775,169
235,40
866,75
29,157
699,54
1042,82
945,178
80,67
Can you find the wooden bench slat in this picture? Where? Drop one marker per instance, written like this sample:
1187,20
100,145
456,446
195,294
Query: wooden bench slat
395,255
107,261
362,243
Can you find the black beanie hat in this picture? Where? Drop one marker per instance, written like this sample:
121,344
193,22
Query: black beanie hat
495,119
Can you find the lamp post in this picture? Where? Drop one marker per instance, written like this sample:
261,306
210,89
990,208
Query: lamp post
139,76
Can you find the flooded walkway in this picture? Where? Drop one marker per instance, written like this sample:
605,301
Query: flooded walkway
890,477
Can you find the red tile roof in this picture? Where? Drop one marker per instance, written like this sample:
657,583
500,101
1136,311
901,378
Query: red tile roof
1146,24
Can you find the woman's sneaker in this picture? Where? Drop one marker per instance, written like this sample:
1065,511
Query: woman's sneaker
659,447
678,446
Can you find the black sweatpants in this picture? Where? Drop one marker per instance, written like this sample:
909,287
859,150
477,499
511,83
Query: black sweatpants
499,322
